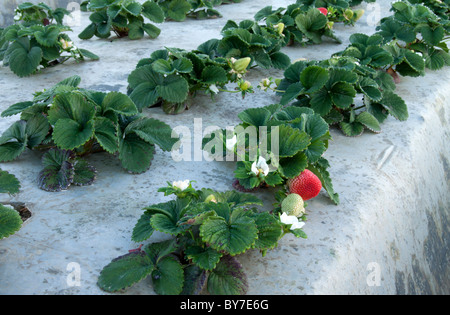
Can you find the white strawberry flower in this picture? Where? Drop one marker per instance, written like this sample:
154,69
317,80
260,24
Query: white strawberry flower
66,44
213,88
291,220
260,167
230,143
182,185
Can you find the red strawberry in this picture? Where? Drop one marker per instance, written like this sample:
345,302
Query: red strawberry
323,11
307,185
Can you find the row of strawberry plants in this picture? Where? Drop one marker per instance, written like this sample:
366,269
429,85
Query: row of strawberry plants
206,225
354,89
172,77
70,123
38,40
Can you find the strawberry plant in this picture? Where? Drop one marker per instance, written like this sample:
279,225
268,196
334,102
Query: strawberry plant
294,139
209,230
124,18
171,77
298,23
339,11
332,88
71,123
35,44
249,39
417,39
10,220
39,13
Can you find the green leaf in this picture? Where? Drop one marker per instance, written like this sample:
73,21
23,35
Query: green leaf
154,131
8,183
151,30
396,105
342,94
168,277
23,59
432,36
369,121
135,154
88,32
16,108
353,129
228,278
58,171
320,169
194,280
415,61
178,9
255,116
280,60
37,129
106,134
290,141
234,236
47,37
206,258
125,271
183,65
73,106
173,89
143,229
273,179
119,103
88,54
293,91
269,231
134,8
10,221
370,88
69,134
10,150
313,78
292,166
153,12
84,173
214,75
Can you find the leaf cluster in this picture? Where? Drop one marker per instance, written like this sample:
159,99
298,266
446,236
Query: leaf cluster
31,45
73,122
10,220
209,229
303,23
124,18
40,13
290,139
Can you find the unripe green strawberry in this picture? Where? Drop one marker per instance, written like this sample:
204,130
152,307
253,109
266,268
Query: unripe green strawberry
359,13
307,185
241,65
293,205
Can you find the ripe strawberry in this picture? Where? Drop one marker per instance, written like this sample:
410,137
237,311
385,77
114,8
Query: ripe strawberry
323,11
307,185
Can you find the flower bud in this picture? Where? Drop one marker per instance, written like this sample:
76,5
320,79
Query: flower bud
245,85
